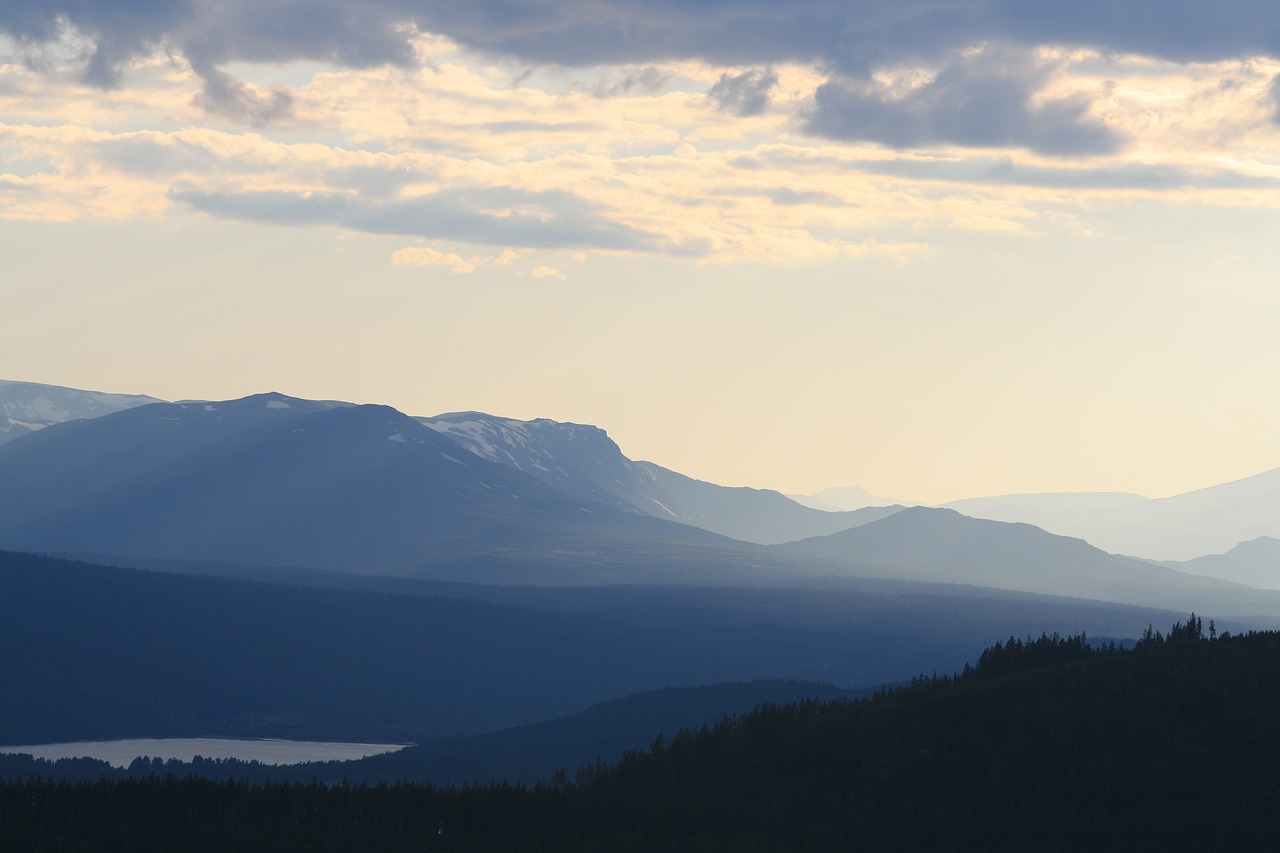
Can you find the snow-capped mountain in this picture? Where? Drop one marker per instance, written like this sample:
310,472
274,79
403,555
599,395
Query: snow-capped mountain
277,481
26,407
583,461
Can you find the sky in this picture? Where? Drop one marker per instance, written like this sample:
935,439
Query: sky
936,249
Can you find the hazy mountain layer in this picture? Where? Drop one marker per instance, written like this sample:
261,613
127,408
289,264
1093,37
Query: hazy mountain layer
584,462
1256,563
1182,527
26,407
943,545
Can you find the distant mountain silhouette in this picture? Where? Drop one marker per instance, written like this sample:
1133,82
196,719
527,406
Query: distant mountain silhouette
942,545
843,499
1182,527
26,407
583,461
1256,563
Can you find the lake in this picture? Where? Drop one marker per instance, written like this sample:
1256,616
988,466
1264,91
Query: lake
122,752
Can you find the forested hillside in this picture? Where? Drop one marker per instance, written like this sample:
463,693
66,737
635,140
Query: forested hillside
1048,744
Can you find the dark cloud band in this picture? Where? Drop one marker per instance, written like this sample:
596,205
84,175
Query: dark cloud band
847,36
986,101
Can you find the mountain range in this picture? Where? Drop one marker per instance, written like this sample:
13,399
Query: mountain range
272,480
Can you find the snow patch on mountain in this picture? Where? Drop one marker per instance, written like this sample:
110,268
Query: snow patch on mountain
26,407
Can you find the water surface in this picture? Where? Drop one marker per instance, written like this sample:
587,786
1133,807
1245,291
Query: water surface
121,753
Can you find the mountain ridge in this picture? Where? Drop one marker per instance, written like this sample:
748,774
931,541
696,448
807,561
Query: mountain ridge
583,461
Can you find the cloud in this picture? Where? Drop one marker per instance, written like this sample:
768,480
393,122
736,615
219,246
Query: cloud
548,272
498,216
227,96
1273,98
745,94
623,82
427,257
994,100
412,152
790,196
983,98
363,33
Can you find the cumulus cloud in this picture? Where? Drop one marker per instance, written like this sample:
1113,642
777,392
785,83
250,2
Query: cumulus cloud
745,94
548,272
985,98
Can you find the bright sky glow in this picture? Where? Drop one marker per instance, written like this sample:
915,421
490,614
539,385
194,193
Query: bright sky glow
994,253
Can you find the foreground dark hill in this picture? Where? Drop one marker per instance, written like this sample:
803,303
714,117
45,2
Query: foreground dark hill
278,481
942,545
1045,745
582,461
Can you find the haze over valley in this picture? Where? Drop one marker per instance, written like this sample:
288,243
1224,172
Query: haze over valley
472,555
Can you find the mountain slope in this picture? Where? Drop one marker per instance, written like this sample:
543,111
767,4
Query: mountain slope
584,462
93,652
26,407
942,545
96,652
273,480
